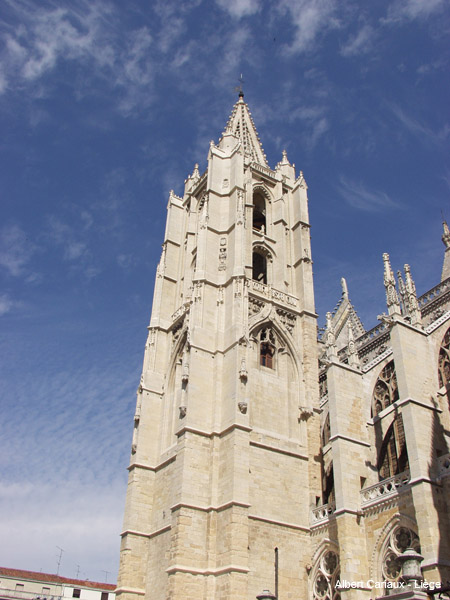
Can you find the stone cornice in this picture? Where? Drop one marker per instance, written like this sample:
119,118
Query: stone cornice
146,534
279,523
347,438
210,508
219,571
279,450
215,433
161,465
129,590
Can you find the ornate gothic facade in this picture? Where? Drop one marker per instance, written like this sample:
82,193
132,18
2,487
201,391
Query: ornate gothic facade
256,440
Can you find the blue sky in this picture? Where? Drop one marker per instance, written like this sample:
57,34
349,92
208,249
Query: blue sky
104,107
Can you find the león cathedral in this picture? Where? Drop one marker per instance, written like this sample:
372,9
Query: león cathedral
269,459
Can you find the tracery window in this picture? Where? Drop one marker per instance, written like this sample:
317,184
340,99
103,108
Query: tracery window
391,443
444,360
396,543
386,390
259,212
327,574
267,348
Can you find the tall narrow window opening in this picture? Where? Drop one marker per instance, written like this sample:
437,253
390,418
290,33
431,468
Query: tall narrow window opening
259,267
267,349
391,442
259,212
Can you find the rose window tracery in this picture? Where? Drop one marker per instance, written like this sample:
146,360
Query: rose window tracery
324,586
397,542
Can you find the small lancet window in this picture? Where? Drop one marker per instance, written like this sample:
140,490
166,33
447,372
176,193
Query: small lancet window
267,349
259,267
259,212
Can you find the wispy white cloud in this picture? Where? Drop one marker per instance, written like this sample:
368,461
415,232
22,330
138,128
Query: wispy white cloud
6,304
360,197
417,128
401,10
240,8
360,43
85,34
15,249
310,18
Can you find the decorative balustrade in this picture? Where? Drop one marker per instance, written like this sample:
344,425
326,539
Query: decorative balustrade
432,294
444,465
371,334
384,489
270,292
322,513
265,170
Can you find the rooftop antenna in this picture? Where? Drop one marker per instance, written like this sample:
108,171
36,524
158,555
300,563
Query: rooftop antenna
78,572
106,575
59,558
239,88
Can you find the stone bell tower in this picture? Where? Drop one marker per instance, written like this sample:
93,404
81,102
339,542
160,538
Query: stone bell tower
225,453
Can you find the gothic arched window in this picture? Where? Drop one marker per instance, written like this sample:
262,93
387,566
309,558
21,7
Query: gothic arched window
385,392
396,543
326,576
267,348
259,267
259,212
444,360
392,456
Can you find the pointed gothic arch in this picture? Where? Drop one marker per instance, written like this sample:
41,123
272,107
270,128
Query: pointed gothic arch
262,258
326,572
397,534
390,440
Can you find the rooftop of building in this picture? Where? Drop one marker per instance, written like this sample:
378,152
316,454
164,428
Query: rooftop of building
52,578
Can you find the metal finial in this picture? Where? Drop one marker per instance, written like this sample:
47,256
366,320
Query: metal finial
239,88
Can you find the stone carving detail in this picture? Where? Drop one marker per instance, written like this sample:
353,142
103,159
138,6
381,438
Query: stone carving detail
330,338
243,374
238,287
411,298
183,411
151,336
243,407
444,360
223,254
353,358
220,295
288,319
198,291
305,413
240,212
392,300
255,306
203,209
176,333
162,263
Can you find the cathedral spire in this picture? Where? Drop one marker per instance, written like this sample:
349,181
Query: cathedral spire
242,126
446,242
392,300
